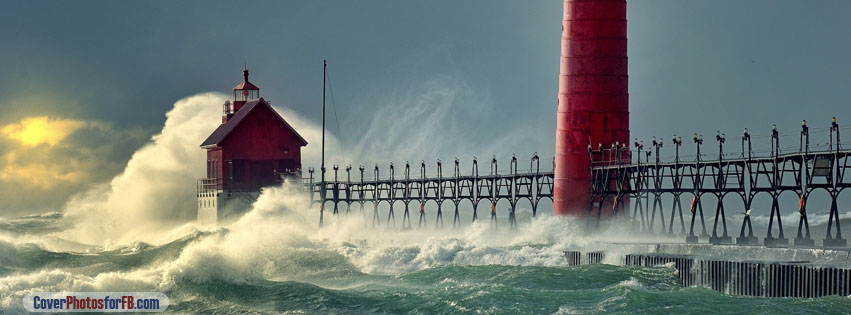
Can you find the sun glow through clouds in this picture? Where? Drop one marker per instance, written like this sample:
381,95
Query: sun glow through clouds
39,158
33,131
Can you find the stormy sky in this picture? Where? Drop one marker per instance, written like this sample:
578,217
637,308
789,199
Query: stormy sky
84,84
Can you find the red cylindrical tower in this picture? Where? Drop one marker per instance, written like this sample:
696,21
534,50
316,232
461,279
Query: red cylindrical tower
593,101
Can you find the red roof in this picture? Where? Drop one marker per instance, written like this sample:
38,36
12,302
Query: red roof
245,85
224,129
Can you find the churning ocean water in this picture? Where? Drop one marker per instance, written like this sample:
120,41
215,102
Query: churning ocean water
272,262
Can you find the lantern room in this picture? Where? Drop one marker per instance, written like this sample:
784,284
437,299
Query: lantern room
242,93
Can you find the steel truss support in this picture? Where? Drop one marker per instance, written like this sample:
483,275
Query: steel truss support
642,201
770,240
657,203
648,183
834,239
422,222
456,220
748,239
696,208
494,222
803,238
438,222
406,218
719,212
677,208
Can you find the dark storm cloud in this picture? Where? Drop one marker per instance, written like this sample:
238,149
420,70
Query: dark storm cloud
695,66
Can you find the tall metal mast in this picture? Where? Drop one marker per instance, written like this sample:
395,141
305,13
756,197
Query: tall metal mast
324,66
322,189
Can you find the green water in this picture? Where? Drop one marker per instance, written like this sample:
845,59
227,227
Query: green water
451,275
592,289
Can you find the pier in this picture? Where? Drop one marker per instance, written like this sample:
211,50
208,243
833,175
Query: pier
625,185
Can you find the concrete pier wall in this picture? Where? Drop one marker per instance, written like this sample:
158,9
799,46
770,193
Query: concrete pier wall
800,279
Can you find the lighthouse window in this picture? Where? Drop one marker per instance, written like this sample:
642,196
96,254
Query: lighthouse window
245,95
211,169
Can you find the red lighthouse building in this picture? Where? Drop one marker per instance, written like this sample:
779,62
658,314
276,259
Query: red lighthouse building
593,96
254,147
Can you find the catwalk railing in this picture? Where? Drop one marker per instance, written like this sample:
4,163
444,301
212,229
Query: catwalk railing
621,178
624,180
513,186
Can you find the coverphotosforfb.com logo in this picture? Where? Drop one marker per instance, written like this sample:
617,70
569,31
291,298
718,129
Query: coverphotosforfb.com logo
96,302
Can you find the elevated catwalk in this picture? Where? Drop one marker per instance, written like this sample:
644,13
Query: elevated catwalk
490,186
619,180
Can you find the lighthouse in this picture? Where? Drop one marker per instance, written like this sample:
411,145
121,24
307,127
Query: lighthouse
253,147
593,97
